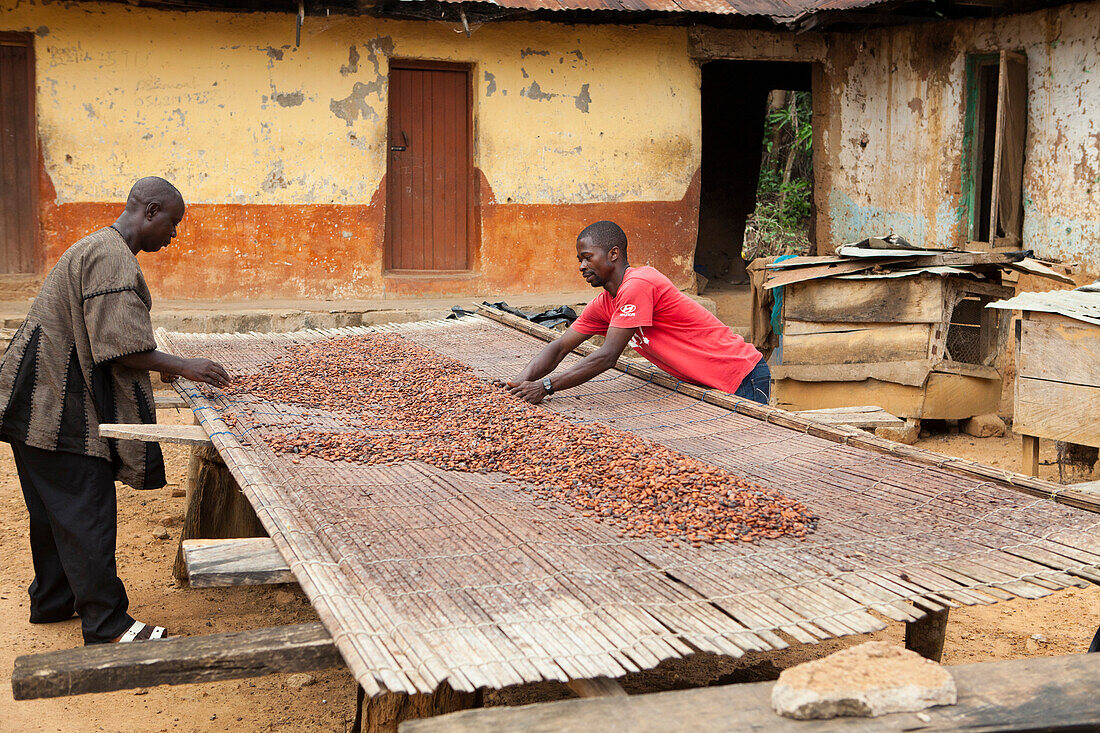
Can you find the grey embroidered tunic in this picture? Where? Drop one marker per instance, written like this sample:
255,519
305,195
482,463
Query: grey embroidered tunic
58,380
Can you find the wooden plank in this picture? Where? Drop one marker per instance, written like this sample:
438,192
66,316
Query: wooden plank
245,561
897,399
173,661
903,300
795,327
942,396
911,373
1090,487
857,417
1069,412
872,343
1029,460
958,397
155,433
779,278
169,401
1055,694
978,371
1061,352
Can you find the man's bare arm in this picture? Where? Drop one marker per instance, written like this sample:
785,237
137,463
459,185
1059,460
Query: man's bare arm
595,363
197,370
550,356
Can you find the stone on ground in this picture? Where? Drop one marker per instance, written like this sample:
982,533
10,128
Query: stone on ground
984,426
300,680
907,433
868,680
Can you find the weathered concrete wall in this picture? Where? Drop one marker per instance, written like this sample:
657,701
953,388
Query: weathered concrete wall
892,121
281,151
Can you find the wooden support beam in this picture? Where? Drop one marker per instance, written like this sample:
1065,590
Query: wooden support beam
926,636
175,661
156,433
216,506
1049,694
384,713
247,561
1029,461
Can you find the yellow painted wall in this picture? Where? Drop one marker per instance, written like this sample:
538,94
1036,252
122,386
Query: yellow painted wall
226,107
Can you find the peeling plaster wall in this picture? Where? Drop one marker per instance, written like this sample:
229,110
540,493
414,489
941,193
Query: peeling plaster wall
280,151
893,124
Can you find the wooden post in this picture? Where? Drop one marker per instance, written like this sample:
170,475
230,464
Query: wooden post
1030,462
216,508
925,636
384,713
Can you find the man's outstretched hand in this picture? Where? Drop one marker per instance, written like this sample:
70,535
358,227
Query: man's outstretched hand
532,392
204,370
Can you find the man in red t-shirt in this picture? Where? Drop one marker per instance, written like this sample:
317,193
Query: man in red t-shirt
641,308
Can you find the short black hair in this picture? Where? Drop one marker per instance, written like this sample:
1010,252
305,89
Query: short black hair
605,235
152,189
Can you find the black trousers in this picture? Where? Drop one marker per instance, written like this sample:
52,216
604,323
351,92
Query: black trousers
74,523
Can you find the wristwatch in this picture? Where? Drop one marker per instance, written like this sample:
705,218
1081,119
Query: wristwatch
547,386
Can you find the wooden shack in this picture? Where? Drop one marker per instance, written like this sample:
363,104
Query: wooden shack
919,343
1057,389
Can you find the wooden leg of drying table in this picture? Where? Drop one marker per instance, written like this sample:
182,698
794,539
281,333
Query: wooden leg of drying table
216,508
384,713
925,636
1030,463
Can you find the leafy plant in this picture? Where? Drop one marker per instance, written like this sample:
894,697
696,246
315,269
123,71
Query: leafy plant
780,223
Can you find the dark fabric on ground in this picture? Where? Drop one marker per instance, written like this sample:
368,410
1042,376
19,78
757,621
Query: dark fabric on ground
74,522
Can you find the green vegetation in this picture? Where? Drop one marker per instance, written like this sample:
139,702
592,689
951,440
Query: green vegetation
781,221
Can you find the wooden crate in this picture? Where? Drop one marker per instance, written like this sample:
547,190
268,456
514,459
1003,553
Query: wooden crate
1057,390
922,346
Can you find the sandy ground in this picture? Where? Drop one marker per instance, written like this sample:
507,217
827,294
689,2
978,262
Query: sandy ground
1066,620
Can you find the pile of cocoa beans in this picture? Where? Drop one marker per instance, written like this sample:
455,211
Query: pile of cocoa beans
404,402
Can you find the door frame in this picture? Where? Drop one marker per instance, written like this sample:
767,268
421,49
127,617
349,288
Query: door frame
472,209
26,40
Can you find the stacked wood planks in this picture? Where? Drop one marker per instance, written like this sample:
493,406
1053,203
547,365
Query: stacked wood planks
919,345
424,575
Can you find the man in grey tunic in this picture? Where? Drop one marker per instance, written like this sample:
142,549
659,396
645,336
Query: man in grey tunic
82,357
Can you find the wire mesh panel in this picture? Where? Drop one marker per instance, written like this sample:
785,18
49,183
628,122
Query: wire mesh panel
425,574
973,331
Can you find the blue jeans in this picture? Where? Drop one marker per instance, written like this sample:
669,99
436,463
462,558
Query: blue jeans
757,384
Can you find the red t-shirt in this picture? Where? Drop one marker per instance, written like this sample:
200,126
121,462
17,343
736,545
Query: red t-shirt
674,332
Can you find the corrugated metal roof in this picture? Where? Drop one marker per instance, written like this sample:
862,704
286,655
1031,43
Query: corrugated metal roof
1079,305
773,8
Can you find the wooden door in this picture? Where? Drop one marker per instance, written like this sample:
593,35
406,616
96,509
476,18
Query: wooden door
18,156
428,184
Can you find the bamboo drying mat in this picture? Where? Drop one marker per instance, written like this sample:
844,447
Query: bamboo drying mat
424,575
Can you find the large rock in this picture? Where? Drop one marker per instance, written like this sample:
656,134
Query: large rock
868,680
984,426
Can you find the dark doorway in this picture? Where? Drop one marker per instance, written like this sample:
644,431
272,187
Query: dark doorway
18,156
734,109
428,186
